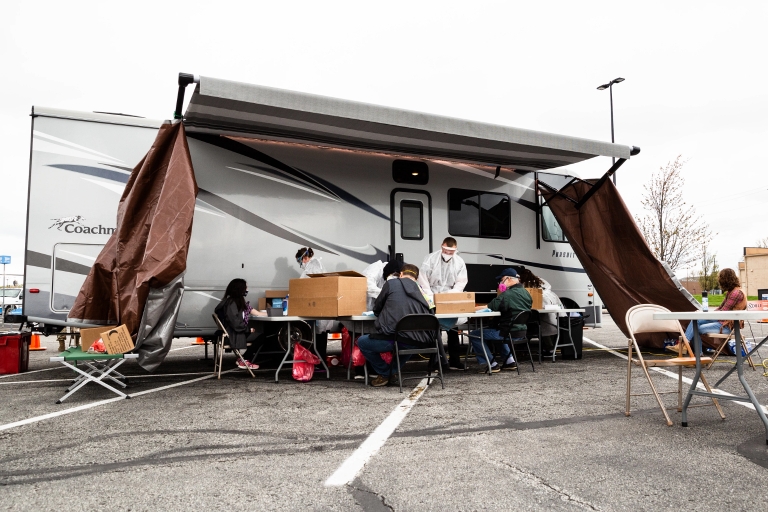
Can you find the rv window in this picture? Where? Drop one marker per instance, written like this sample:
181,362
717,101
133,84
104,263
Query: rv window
412,172
478,214
411,220
550,229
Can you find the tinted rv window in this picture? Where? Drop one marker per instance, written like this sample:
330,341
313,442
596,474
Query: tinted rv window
412,172
411,220
550,229
478,214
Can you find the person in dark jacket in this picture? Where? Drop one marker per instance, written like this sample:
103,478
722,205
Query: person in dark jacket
234,312
512,300
398,297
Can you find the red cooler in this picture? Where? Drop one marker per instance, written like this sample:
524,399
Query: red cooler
14,352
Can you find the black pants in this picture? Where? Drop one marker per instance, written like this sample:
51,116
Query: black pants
454,352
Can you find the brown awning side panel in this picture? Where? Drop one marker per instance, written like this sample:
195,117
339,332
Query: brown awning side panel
613,252
150,244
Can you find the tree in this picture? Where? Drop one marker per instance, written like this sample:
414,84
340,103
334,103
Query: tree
709,270
672,229
763,242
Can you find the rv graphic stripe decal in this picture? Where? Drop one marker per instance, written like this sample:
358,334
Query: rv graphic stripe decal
296,174
254,220
38,259
542,265
368,258
94,171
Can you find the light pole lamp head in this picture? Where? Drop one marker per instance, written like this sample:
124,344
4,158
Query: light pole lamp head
614,81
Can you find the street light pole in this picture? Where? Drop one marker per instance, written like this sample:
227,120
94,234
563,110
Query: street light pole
609,86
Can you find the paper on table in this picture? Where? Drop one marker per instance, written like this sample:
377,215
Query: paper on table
551,306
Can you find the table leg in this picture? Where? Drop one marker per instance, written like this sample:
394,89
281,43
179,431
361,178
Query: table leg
557,336
351,349
314,347
485,352
740,372
697,376
287,352
730,371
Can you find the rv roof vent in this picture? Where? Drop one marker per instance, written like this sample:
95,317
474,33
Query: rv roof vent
412,172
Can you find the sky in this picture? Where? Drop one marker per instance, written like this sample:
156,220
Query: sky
695,78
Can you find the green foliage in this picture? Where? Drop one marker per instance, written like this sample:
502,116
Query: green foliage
715,300
709,271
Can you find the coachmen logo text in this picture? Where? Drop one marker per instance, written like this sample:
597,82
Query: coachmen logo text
563,254
74,225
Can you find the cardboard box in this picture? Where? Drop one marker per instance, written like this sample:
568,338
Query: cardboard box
463,302
328,295
89,336
117,340
266,300
537,294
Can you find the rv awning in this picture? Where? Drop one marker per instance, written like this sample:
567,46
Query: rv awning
234,108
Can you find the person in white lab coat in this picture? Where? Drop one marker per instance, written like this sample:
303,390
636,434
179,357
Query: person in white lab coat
377,274
308,263
444,271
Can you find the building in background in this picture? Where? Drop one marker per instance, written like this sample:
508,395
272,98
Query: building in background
753,271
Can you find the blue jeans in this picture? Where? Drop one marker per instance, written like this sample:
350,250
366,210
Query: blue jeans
488,335
705,327
372,349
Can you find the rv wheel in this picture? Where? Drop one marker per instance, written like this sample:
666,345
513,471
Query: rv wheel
300,331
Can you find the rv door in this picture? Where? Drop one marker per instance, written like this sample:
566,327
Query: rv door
411,214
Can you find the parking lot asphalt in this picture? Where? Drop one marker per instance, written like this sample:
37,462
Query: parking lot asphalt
554,439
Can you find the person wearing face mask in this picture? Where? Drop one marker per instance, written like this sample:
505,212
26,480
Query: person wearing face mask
512,300
444,271
307,263
234,312
376,275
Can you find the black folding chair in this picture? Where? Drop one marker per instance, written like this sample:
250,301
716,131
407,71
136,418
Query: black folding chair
519,337
419,323
534,329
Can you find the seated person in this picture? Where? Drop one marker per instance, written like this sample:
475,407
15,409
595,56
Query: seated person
398,297
376,274
234,312
512,300
734,300
548,320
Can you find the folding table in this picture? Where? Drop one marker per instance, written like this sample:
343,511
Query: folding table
736,316
557,339
479,317
99,367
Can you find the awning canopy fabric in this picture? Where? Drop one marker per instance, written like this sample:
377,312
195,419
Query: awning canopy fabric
233,108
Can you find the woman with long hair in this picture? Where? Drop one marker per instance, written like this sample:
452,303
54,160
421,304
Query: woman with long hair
734,300
549,321
234,312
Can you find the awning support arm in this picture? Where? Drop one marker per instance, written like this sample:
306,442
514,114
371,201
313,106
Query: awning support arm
184,80
600,182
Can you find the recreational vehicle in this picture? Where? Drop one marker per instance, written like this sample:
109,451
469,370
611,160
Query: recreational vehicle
278,170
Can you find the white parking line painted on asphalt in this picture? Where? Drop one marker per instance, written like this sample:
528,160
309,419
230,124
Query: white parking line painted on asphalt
671,375
33,371
101,402
351,467
137,377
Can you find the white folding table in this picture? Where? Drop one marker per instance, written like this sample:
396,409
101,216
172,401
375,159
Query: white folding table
287,320
736,316
557,339
480,317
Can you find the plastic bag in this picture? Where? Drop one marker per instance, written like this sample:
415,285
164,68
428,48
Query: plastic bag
346,347
387,357
732,347
304,371
98,346
358,359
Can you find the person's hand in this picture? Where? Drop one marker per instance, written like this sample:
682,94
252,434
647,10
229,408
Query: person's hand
253,330
256,312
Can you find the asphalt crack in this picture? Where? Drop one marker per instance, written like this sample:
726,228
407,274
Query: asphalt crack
369,500
537,481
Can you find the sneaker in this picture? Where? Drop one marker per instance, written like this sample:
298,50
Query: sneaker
380,381
509,366
456,366
494,369
243,365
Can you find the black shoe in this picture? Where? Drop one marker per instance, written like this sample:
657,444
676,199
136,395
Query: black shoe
509,367
546,353
456,365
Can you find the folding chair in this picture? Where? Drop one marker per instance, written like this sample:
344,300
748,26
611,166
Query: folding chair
418,323
222,343
99,367
639,320
521,318
726,338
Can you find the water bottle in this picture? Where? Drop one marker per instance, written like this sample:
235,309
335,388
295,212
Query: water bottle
285,306
704,301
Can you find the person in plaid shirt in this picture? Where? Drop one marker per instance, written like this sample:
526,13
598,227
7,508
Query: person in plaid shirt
734,300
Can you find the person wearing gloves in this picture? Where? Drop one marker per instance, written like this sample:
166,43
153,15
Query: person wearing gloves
548,320
311,265
444,271
512,300
377,274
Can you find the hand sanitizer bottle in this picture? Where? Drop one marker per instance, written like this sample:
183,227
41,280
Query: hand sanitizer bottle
285,305
704,301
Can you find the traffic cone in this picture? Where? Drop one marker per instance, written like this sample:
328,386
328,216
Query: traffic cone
35,343
199,341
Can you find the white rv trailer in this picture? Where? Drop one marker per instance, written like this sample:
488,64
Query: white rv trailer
266,192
